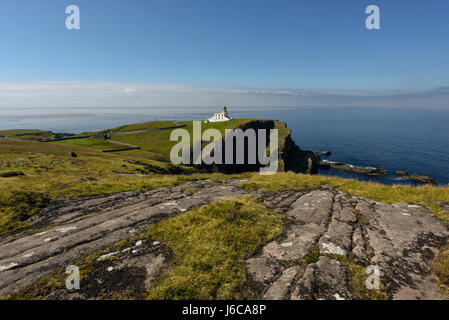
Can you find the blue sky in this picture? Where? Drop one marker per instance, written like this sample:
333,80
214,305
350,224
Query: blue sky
240,43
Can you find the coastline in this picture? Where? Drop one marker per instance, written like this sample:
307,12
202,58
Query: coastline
293,158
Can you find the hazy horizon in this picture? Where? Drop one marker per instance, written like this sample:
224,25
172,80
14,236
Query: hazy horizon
119,94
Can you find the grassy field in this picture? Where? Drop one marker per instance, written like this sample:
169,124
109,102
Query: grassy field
133,127
145,125
159,141
28,134
97,143
156,145
50,173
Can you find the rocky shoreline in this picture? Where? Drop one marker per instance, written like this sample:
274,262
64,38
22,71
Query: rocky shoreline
416,177
371,171
292,157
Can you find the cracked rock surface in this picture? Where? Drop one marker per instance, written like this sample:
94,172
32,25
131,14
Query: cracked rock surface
401,240
328,231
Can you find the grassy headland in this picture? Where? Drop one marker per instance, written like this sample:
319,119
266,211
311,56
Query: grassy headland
28,134
51,173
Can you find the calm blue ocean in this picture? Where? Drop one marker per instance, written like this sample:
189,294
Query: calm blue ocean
416,141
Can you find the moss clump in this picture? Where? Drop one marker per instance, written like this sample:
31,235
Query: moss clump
210,245
312,257
358,277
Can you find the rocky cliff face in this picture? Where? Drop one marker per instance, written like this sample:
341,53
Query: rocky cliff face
292,157
297,160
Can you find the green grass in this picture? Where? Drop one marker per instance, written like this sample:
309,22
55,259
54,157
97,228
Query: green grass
283,181
156,145
145,125
106,144
18,206
210,245
97,143
158,142
27,134
46,159
312,257
132,127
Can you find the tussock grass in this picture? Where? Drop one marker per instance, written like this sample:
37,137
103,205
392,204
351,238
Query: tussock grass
210,244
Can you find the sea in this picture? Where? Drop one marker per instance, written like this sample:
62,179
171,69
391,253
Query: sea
412,140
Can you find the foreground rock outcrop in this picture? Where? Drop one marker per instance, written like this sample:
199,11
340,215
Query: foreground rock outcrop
400,240
331,238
